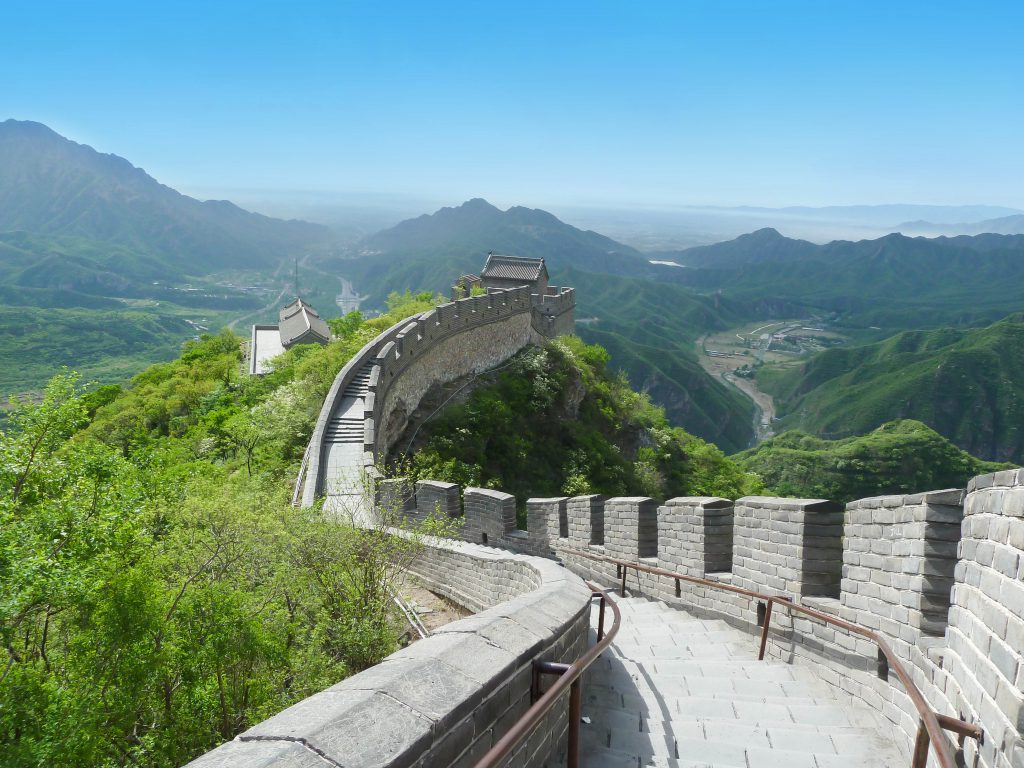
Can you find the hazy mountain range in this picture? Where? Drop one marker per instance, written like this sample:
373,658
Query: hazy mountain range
50,186
93,252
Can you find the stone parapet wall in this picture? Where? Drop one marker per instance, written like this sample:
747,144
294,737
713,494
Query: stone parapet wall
788,546
454,340
899,556
555,311
986,621
447,699
695,535
887,563
439,499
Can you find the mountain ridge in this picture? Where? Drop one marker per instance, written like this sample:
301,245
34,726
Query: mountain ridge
965,383
51,185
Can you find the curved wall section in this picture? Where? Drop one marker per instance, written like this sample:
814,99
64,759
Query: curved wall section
399,366
444,700
940,575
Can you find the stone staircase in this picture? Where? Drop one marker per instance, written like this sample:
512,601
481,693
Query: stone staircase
346,424
681,692
343,443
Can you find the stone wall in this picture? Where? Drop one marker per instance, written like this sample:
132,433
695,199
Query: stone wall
449,342
890,564
939,575
444,700
788,546
986,621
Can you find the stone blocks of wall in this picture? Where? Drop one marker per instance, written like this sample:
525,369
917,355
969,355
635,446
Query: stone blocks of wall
396,495
631,527
788,546
547,521
898,562
554,312
434,497
489,515
586,520
447,699
986,621
695,535
453,340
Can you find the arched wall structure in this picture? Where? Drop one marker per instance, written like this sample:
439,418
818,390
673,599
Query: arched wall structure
940,575
397,368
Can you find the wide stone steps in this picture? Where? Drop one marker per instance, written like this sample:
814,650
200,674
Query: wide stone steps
344,430
681,692
360,384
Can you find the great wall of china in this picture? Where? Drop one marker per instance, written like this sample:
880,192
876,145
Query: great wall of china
938,575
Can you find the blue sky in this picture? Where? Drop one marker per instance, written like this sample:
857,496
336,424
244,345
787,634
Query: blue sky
629,103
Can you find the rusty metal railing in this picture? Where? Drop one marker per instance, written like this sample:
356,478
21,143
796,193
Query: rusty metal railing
569,677
930,734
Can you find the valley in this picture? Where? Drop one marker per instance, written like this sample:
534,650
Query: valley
735,347
734,355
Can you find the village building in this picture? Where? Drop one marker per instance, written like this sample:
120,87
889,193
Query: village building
298,323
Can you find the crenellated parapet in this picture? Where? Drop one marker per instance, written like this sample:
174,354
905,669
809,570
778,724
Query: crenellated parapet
450,342
788,546
940,575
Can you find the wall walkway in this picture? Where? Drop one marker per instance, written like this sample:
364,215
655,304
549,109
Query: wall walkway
939,574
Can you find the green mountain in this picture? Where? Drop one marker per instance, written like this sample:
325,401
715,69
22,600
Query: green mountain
893,282
52,186
967,384
897,457
556,421
650,329
104,269
431,250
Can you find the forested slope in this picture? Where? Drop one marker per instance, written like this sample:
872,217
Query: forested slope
556,421
158,593
967,384
898,457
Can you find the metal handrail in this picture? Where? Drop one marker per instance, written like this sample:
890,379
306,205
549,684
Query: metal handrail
930,724
569,678
296,494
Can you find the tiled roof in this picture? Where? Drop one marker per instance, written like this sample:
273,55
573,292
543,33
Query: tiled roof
513,268
297,319
296,306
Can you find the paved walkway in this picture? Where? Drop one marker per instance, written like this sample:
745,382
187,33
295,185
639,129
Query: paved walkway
683,692
343,454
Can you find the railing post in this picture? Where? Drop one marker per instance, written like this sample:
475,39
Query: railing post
921,747
600,619
764,629
622,589
575,713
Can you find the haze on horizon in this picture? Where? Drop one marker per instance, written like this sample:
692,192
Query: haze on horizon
590,104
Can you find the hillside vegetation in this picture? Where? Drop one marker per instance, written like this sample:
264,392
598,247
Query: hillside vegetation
557,422
104,264
894,282
650,330
899,457
967,384
158,593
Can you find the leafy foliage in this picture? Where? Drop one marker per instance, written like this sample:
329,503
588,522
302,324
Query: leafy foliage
555,421
964,383
158,593
899,457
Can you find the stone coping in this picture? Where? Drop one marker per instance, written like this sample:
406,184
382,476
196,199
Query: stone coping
427,703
